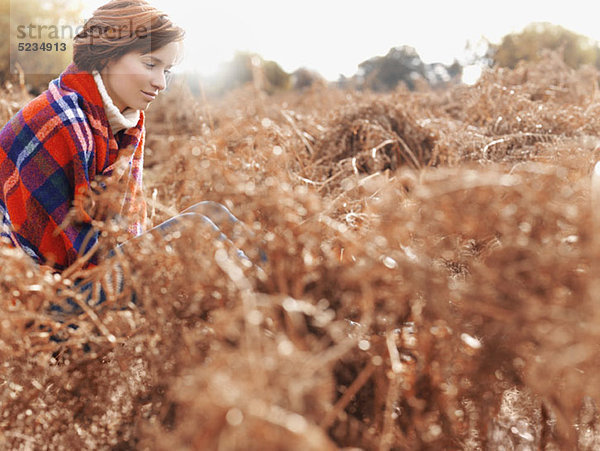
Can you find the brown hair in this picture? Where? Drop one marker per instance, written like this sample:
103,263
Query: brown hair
120,27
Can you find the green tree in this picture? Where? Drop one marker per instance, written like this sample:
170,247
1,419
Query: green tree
4,39
383,73
246,68
277,79
304,78
577,49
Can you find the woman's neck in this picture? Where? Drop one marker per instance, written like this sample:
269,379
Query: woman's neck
118,118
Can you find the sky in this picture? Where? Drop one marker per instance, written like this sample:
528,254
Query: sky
334,36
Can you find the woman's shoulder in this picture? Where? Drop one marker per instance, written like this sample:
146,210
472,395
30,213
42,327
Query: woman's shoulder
55,101
53,107
55,116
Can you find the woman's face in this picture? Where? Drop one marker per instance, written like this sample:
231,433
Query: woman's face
135,79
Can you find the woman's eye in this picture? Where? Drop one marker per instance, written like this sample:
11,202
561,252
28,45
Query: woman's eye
150,65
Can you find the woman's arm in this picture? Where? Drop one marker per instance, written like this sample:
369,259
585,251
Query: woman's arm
44,170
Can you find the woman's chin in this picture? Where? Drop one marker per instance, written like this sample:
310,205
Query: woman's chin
140,106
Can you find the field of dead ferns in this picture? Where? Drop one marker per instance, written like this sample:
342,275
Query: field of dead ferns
426,275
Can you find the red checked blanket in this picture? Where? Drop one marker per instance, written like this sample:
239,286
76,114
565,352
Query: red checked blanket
50,151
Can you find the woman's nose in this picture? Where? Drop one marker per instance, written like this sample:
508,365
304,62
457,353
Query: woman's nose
159,81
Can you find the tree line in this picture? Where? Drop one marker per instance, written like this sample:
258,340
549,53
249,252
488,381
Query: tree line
401,65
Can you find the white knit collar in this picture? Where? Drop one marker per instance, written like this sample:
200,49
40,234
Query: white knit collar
117,120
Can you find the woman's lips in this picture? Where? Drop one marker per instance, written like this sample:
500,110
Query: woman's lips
149,96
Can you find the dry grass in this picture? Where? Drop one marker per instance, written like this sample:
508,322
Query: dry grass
430,282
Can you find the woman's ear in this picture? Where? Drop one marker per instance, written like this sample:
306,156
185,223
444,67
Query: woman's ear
105,65
102,66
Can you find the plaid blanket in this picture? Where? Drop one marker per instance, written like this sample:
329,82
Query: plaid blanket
50,152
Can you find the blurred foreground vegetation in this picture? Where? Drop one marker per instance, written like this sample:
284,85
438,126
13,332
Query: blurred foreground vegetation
430,281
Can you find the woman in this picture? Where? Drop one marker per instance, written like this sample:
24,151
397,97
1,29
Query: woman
81,129
92,114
